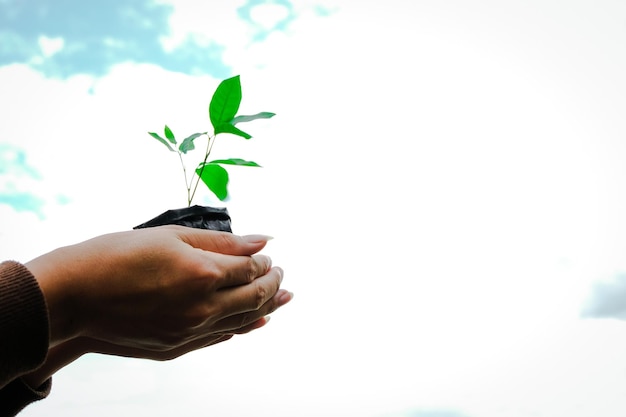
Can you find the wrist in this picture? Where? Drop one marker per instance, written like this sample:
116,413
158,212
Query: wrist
55,283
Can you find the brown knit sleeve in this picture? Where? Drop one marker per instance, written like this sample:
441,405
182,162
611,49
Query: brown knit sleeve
24,329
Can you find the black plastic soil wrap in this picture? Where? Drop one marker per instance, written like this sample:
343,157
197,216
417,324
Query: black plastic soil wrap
199,217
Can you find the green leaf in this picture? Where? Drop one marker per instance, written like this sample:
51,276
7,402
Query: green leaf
215,177
169,135
229,128
160,139
262,115
187,143
235,161
225,101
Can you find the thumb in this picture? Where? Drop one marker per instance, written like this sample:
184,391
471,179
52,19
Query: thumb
224,242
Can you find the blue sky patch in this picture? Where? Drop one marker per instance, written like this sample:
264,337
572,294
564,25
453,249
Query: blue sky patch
24,202
68,37
13,161
14,168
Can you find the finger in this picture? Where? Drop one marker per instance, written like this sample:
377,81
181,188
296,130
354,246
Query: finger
246,322
233,271
252,297
197,344
253,326
222,242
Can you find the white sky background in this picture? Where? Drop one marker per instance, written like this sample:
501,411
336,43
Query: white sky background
444,181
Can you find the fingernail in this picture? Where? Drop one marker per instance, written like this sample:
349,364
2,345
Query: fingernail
285,298
257,238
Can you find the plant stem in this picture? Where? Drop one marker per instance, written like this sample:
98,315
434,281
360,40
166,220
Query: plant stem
187,183
209,146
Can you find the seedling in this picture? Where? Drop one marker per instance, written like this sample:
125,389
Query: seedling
223,115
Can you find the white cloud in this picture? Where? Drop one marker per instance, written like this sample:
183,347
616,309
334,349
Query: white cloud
268,15
205,24
50,46
221,25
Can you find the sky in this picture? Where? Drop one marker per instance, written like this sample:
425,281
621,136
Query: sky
444,181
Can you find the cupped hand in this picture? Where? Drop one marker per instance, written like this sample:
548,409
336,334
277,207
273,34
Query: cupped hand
68,351
167,289
82,345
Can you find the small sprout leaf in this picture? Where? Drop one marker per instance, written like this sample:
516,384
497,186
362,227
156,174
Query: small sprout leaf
215,177
187,144
262,115
223,109
169,135
230,128
225,101
235,161
160,139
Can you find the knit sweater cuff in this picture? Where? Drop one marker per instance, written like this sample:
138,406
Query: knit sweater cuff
17,395
24,322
